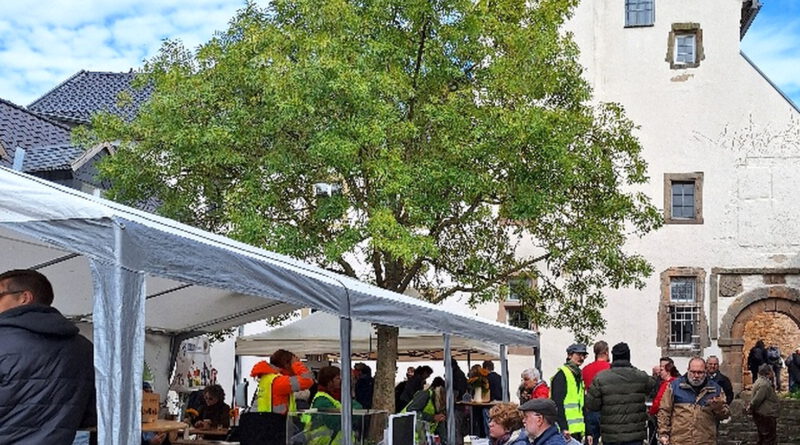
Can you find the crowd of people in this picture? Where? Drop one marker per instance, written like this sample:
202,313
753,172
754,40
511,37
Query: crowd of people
45,356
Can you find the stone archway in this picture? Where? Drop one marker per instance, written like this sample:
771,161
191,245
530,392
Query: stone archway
780,299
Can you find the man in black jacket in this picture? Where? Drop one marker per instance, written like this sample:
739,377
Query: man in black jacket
793,364
712,367
619,394
46,372
495,382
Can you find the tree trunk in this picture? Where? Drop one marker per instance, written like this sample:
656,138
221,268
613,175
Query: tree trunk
386,368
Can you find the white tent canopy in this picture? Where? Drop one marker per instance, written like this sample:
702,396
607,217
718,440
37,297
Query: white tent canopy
189,281
318,333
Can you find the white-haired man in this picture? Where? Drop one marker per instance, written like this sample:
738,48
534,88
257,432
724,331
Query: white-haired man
532,386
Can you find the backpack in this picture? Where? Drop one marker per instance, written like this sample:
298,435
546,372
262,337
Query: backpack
773,355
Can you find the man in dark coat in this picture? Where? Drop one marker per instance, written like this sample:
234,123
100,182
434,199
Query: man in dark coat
619,395
365,385
755,358
495,381
46,367
712,367
793,365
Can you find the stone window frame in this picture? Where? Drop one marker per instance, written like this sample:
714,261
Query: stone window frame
697,179
665,303
681,29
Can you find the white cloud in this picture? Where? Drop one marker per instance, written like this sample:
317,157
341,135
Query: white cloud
42,43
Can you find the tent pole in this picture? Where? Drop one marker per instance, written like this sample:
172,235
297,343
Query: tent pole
345,326
504,371
450,399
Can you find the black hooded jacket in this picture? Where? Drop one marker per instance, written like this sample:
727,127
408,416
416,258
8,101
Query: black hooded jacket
46,377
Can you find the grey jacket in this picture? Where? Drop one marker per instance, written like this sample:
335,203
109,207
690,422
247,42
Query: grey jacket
765,400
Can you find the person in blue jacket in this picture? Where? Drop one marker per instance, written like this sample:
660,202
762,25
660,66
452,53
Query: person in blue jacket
539,417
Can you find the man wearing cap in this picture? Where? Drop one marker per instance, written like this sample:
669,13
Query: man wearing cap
539,417
566,390
619,394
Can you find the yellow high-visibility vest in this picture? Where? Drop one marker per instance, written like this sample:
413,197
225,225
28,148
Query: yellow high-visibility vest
264,400
573,402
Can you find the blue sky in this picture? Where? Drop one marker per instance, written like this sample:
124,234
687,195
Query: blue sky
44,42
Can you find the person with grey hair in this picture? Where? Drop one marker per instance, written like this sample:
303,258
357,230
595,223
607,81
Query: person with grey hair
764,406
691,407
532,386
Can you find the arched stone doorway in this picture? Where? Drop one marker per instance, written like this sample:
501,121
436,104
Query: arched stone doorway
780,299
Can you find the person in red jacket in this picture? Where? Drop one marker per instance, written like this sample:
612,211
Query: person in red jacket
667,374
588,373
532,386
279,379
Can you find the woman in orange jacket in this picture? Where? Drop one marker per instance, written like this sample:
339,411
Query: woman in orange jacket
279,379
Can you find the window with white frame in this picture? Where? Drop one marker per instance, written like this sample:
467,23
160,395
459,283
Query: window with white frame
685,49
683,313
685,46
639,13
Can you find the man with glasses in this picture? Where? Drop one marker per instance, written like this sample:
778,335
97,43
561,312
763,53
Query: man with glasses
46,373
539,416
690,408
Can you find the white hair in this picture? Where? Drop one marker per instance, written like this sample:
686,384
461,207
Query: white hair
531,373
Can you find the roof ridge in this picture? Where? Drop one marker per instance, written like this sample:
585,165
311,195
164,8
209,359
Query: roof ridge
55,88
36,115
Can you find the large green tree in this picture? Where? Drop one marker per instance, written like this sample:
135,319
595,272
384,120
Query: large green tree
457,139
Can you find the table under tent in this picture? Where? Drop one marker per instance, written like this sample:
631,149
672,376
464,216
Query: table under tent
135,276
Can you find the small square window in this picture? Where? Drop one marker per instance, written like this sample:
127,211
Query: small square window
682,290
685,46
685,49
639,13
683,198
518,319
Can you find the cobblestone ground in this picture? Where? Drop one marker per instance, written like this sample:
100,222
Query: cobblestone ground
741,430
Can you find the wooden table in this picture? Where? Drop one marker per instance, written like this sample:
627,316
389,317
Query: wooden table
212,433
163,426
476,416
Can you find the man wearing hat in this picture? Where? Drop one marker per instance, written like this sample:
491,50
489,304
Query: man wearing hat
566,390
619,394
539,417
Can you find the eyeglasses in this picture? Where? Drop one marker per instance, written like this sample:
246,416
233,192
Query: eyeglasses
11,292
697,372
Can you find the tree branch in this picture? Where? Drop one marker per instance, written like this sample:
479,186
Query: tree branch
489,283
423,35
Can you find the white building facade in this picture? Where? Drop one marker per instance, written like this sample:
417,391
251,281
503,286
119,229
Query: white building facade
723,151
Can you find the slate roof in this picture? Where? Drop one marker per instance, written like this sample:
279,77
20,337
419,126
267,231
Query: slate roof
50,157
20,127
87,92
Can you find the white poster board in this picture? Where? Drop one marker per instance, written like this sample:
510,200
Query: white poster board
193,369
